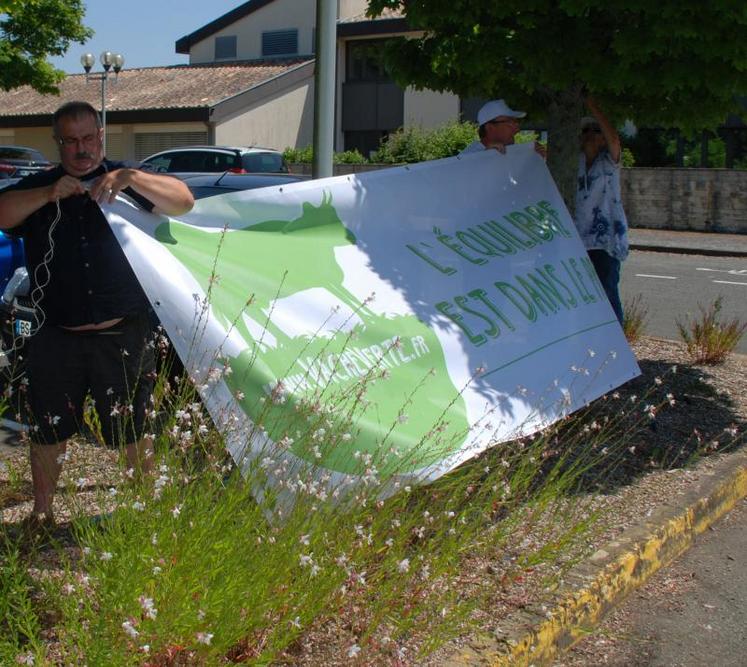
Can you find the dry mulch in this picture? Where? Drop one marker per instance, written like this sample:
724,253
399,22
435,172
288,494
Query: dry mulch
664,458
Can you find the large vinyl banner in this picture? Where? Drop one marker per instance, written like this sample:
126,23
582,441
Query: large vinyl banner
401,320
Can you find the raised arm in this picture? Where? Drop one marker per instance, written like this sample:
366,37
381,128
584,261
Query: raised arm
17,205
610,133
168,194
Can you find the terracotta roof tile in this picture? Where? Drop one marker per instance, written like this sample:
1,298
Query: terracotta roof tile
180,86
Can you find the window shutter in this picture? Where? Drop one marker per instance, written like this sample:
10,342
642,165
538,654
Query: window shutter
280,43
148,143
225,47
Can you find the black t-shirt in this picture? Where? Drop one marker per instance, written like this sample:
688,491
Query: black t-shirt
90,279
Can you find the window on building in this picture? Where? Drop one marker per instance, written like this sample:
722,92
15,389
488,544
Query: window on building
147,143
364,61
280,43
372,104
225,47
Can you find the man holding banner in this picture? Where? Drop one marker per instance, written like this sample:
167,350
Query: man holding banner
92,312
498,126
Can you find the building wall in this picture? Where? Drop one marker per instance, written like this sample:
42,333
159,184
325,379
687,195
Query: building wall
686,199
283,120
36,137
429,109
348,8
278,15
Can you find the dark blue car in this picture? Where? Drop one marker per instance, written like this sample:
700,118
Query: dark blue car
11,250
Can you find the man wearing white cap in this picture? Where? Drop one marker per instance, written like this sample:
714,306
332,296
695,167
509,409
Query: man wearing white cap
497,128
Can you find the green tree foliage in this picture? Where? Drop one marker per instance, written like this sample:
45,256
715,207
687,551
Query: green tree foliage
30,32
669,63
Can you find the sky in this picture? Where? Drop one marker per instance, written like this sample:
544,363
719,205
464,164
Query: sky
143,31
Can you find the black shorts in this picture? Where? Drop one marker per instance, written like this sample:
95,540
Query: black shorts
116,366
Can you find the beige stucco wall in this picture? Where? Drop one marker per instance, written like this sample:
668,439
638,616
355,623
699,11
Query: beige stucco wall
39,138
285,119
278,15
348,8
429,109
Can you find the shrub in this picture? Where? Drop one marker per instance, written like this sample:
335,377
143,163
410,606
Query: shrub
709,340
627,158
306,156
414,144
299,155
634,318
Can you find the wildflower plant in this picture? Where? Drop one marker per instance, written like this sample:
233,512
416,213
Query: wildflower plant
213,559
709,340
635,318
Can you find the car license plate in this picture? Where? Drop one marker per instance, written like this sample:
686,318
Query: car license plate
22,328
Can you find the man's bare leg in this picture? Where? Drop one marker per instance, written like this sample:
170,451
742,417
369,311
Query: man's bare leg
139,456
46,464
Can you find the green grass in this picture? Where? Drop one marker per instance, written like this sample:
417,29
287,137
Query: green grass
208,562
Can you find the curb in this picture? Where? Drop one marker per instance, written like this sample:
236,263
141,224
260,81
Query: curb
602,583
680,250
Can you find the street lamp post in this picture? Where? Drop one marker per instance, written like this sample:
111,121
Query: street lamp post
109,61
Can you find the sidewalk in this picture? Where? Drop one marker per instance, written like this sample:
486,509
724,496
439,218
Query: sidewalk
689,243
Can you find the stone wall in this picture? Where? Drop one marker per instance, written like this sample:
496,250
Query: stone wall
695,199
713,200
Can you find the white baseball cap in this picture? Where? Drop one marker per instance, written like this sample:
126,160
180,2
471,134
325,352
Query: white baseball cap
496,108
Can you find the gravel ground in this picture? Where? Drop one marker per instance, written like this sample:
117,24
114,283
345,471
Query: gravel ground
663,460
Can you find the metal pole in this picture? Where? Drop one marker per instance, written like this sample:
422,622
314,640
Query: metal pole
103,109
324,87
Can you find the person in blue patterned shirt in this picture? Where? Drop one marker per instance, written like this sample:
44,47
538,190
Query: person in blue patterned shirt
600,218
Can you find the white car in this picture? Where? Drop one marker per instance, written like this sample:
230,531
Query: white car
216,159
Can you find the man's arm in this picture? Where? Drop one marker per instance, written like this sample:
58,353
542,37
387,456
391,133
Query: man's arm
169,195
610,133
17,205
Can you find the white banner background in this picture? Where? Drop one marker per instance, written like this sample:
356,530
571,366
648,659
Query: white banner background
407,222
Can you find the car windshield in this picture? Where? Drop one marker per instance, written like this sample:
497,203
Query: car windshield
264,162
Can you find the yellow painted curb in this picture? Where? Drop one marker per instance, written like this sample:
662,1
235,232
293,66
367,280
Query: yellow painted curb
594,588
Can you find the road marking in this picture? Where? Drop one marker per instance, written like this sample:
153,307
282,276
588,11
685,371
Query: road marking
734,272
648,275
727,282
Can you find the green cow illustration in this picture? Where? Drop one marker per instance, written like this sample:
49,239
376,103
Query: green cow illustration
246,271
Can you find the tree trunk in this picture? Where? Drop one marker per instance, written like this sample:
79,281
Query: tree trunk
564,115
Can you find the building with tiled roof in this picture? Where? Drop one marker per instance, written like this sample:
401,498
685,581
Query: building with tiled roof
250,81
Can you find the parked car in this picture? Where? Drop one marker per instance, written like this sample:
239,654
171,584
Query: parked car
17,314
208,185
19,161
218,159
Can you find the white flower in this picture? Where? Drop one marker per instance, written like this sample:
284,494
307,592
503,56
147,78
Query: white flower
204,638
25,659
404,565
138,506
353,651
157,570
130,629
176,511
106,555
147,606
